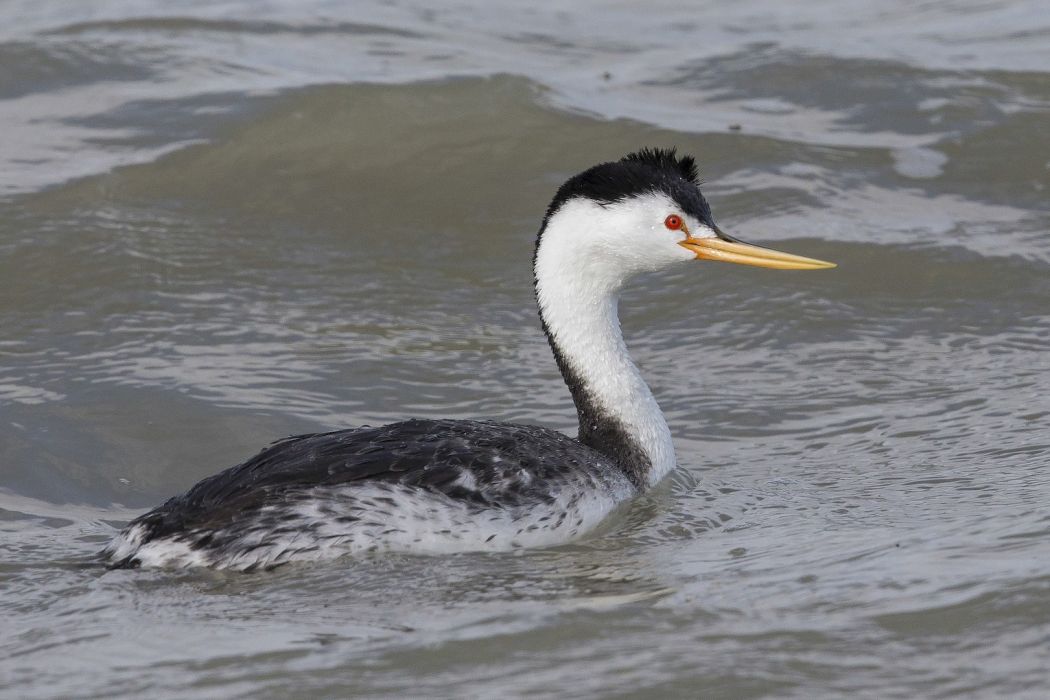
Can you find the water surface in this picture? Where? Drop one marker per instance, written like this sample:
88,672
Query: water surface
224,224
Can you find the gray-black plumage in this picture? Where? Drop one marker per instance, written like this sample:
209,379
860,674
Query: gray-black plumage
511,466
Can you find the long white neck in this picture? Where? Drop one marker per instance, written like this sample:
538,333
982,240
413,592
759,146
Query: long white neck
578,295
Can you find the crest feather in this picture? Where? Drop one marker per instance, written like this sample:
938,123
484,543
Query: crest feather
666,158
644,171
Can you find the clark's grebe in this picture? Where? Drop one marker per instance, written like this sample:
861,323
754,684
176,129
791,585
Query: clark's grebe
457,485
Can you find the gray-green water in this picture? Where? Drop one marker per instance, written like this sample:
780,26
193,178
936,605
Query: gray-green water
225,223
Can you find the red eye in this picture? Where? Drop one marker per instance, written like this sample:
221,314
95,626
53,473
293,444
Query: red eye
673,222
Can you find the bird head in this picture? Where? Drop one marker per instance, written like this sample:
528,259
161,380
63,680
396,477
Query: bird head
641,213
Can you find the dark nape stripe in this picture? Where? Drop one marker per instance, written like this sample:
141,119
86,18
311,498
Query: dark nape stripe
598,429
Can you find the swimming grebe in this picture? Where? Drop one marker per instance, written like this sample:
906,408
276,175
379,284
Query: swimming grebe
458,485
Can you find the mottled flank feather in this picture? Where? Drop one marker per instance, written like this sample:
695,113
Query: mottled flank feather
419,485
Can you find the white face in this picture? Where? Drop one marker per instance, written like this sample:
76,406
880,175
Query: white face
610,244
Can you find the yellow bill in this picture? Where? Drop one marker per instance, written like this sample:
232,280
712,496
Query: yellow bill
747,254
